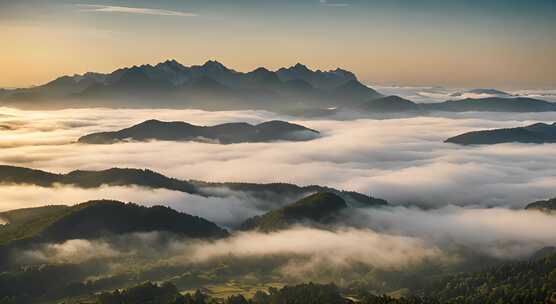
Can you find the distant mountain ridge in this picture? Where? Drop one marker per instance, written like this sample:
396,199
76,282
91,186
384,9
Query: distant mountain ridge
535,133
213,86
396,104
492,104
228,133
209,86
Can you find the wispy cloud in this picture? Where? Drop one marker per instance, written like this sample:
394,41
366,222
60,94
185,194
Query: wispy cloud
335,4
132,10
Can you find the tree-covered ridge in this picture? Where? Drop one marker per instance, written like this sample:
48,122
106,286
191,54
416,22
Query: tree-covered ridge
95,218
320,207
228,133
531,281
93,179
270,196
29,222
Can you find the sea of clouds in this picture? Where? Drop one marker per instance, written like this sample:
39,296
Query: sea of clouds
402,160
431,94
442,195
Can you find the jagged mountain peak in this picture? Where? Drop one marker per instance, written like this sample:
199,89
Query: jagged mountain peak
214,65
301,67
210,82
171,63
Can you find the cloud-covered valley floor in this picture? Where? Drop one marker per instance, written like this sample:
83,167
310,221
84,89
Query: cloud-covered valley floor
402,160
444,195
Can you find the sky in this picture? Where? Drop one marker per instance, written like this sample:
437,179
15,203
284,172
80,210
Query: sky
468,43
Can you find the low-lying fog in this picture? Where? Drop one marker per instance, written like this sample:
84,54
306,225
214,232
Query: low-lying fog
402,160
442,193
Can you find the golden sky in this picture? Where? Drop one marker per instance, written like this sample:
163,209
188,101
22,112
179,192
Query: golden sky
383,44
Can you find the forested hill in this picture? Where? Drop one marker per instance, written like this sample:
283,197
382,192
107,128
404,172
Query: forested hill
532,281
266,196
318,208
93,179
95,219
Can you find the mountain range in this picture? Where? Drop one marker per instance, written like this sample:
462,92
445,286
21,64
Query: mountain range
536,133
213,86
228,133
208,86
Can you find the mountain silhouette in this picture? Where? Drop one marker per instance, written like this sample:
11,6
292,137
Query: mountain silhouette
537,133
209,86
228,133
213,86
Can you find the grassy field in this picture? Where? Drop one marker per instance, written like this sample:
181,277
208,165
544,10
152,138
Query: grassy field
233,288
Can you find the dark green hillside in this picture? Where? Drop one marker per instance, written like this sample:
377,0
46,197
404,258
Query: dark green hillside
319,208
28,222
532,281
98,218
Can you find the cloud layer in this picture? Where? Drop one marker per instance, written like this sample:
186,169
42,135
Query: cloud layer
496,232
428,94
228,211
402,160
341,248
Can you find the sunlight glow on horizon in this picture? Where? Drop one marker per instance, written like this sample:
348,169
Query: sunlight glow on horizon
381,44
